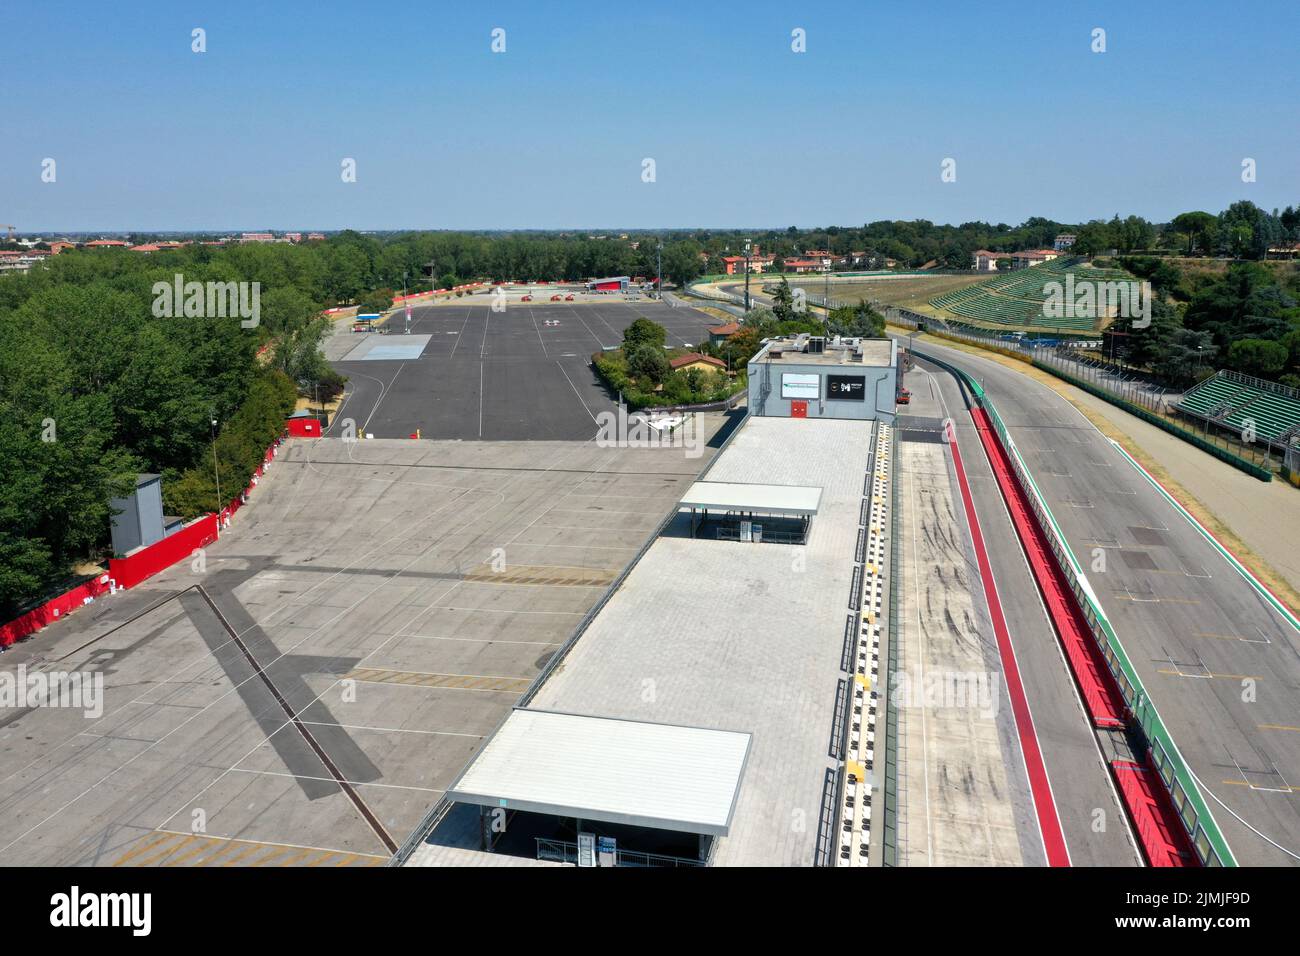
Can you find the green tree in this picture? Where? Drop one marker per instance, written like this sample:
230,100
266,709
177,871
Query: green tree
859,320
649,362
681,262
1259,357
642,331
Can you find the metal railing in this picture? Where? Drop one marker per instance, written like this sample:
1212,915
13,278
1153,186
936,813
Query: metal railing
562,851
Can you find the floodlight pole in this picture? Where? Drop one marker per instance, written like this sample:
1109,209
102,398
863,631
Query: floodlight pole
406,304
659,265
216,473
746,275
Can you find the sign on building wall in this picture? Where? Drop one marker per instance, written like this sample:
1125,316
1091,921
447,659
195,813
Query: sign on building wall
846,388
800,385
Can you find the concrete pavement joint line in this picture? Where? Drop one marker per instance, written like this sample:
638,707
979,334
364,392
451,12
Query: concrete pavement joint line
564,454
306,734
331,779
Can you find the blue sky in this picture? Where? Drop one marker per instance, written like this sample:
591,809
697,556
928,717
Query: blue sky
552,133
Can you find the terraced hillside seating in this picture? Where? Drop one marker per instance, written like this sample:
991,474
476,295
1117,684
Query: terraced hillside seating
1235,400
1016,298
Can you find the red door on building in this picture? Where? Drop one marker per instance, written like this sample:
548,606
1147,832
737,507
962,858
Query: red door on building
798,408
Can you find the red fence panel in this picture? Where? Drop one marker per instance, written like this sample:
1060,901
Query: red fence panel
52,610
146,562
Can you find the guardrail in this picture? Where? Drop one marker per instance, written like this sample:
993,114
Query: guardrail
1206,837
562,851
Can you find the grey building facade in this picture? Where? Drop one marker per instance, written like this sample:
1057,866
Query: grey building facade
138,518
813,377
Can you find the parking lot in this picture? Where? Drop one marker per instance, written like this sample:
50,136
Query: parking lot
300,693
520,374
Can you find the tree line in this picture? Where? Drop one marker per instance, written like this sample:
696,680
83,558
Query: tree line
96,389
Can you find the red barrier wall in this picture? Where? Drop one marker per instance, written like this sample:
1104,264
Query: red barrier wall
146,562
52,610
1163,838
130,571
303,428
1104,702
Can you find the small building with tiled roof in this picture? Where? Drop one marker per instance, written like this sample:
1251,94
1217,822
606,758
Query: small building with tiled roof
720,333
697,360
1032,257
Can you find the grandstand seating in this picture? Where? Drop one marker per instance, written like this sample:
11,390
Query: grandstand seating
1233,400
1016,298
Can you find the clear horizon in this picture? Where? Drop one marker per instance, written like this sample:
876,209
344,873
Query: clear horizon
149,136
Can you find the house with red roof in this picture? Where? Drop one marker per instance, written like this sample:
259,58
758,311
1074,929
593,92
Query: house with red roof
696,360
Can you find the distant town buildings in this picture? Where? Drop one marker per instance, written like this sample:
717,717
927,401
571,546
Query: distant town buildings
1064,241
1032,257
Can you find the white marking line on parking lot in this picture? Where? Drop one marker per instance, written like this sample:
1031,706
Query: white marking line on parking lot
461,334
351,783
538,329
391,730
491,610
572,386
382,395
560,456
586,326
617,335
480,399
501,497
606,511
278,843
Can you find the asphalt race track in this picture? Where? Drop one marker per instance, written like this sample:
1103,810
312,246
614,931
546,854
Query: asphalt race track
1222,666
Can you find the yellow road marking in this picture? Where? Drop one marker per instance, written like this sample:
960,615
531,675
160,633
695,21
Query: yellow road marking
203,850
205,845
275,854
377,675
1244,783
1277,727
165,853
138,850
1203,676
295,857
252,848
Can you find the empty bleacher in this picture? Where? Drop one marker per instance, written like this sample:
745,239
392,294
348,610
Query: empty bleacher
1016,298
1236,401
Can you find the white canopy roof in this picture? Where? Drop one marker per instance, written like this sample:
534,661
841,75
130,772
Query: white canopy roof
616,771
738,496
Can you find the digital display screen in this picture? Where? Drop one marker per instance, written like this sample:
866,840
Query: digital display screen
846,388
799,385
